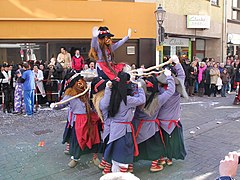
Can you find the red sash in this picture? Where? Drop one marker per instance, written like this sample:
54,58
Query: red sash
81,128
116,67
175,122
157,122
136,152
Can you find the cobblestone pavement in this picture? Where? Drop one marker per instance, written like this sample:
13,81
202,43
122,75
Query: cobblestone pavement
211,130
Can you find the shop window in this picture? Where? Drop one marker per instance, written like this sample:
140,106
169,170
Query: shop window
200,44
236,4
215,2
236,10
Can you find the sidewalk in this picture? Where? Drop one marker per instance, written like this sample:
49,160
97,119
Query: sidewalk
211,130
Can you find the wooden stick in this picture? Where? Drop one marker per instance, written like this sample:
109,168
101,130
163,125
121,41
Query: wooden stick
71,98
150,73
151,68
88,73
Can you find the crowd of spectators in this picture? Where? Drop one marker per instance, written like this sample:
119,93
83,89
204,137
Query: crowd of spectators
209,77
20,82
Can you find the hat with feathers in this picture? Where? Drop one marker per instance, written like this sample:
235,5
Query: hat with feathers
104,31
71,78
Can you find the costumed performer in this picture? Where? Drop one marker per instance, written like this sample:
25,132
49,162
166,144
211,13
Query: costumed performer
122,146
102,50
101,105
169,116
84,136
149,134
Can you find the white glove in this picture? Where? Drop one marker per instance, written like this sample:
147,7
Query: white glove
95,31
167,72
52,105
175,59
109,84
129,32
139,84
140,71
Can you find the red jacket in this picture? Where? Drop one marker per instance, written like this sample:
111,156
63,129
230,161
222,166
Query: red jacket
77,63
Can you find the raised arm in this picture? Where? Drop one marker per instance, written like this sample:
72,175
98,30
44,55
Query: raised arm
61,106
105,101
163,98
180,71
134,101
119,43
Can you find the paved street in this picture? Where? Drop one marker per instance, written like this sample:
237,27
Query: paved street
211,129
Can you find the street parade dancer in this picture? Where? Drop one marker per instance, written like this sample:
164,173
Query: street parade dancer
169,116
123,100
102,50
82,129
148,132
101,106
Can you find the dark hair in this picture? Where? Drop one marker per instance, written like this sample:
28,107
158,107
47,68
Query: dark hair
64,48
36,65
26,65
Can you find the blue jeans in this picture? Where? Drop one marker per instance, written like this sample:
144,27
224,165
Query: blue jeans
29,101
224,90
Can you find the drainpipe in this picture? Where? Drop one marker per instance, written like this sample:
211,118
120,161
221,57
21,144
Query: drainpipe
224,31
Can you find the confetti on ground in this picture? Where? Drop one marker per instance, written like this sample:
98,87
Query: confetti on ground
41,144
192,132
219,122
197,127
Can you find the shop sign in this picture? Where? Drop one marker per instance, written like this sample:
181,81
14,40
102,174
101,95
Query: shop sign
176,42
198,21
130,49
234,38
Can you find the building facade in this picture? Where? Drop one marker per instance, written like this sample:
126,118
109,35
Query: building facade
194,28
37,29
233,27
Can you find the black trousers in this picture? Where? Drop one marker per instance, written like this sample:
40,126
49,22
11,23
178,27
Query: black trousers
7,97
213,89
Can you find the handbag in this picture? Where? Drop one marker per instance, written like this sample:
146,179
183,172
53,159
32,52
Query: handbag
219,83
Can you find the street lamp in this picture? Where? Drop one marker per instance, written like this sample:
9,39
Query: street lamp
160,16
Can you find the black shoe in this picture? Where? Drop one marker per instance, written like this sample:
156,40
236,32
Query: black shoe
14,112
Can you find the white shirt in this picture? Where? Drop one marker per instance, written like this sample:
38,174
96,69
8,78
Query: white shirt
7,76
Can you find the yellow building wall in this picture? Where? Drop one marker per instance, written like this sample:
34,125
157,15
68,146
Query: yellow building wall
74,19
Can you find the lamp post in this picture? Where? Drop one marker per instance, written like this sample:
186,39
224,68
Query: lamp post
160,16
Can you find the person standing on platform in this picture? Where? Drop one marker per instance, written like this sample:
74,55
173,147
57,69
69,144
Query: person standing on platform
77,61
